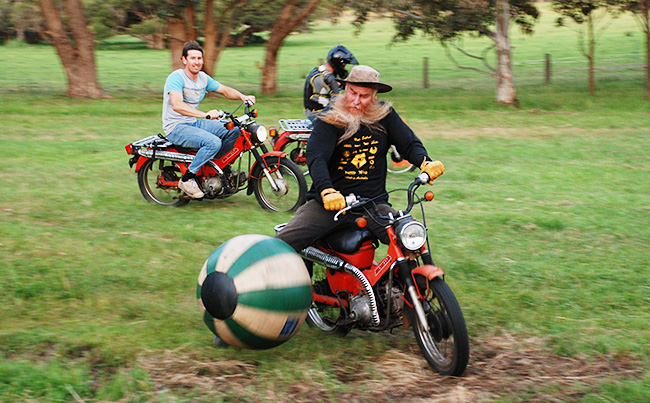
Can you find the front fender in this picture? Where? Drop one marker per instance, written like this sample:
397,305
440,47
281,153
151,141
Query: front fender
429,271
256,169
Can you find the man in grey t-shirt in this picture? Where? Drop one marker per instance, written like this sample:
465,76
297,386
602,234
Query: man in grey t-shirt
184,124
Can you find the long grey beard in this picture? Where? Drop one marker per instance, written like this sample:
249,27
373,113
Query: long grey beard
339,116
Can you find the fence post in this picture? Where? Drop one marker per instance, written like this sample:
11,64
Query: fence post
547,71
425,72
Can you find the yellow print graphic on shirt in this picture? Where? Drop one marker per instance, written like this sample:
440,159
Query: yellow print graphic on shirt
359,160
359,157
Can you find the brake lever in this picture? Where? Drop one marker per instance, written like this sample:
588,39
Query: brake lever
351,200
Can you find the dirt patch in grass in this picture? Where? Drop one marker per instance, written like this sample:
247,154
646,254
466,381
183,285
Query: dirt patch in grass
500,366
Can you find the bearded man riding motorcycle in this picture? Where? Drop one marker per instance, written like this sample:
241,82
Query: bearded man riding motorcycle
346,153
321,84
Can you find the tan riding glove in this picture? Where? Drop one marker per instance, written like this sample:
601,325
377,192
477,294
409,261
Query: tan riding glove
433,169
333,200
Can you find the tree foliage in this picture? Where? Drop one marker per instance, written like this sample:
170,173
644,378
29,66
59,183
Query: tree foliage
641,11
592,19
447,21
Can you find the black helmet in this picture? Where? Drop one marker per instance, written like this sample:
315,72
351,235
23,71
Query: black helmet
338,57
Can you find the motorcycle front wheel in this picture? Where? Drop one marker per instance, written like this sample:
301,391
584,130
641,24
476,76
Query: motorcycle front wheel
291,187
155,179
446,345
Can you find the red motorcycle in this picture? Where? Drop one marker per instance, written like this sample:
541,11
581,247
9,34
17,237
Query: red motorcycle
352,290
293,140
278,184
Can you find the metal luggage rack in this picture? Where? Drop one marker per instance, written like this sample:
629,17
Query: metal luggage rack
157,140
295,125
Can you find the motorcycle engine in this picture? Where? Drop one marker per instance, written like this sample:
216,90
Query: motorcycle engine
212,185
360,308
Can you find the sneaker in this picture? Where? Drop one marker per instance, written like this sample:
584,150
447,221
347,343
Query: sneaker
191,188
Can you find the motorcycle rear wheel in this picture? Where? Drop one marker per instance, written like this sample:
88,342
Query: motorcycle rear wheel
320,315
297,155
396,164
150,180
446,345
293,187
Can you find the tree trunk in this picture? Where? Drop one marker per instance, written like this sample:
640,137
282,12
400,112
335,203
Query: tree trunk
645,13
591,54
286,22
241,38
74,44
216,41
506,93
177,36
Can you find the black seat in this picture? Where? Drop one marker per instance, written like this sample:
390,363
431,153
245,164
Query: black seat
347,240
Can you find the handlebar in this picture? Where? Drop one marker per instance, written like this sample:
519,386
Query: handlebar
354,201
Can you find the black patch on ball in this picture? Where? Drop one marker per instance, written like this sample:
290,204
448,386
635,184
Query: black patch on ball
219,295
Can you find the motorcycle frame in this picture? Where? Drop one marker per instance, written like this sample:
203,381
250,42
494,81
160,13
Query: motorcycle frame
395,260
215,165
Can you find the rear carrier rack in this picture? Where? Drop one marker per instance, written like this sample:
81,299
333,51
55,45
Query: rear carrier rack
295,125
156,141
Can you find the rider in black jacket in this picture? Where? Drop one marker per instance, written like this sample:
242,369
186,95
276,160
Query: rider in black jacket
346,153
321,83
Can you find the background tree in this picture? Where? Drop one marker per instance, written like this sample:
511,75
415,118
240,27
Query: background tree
592,18
292,14
24,18
449,21
217,30
68,31
641,11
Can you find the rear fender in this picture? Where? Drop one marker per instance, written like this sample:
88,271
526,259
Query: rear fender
281,141
256,170
138,161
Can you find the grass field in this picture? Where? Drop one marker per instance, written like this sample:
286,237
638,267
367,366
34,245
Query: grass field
541,222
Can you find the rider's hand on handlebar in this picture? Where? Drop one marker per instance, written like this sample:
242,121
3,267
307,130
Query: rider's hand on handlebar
250,99
333,200
215,114
433,169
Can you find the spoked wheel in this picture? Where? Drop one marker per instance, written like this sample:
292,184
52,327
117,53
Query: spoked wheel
446,345
324,316
291,187
396,163
158,181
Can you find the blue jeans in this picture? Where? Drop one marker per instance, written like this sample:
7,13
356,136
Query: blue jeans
204,134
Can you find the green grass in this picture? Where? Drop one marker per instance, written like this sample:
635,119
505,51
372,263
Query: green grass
541,222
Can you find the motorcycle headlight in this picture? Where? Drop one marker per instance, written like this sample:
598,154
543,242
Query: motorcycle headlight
411,235
259,133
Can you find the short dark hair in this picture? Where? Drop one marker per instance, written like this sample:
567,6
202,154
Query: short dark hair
192,45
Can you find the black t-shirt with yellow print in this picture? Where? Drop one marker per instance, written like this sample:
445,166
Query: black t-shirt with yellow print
358,164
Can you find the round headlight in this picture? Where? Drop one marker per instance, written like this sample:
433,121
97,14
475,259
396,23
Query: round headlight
261,133
412,235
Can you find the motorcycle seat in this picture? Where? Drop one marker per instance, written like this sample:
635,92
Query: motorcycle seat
186,150
347,240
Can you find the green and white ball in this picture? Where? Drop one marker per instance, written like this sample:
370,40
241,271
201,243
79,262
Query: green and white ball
254,292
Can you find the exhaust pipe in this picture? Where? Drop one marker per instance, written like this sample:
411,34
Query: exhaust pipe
332,262
173,156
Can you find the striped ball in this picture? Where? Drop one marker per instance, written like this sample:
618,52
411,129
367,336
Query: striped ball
254,292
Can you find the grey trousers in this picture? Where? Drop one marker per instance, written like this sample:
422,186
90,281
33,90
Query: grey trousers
312,222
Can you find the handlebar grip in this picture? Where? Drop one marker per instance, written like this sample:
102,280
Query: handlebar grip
208,117
423,178
350,200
